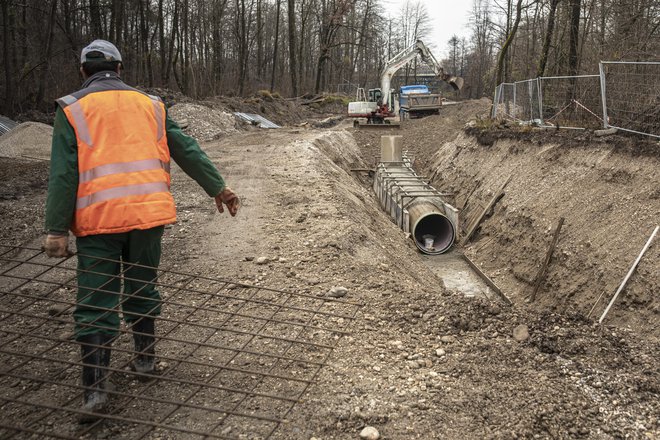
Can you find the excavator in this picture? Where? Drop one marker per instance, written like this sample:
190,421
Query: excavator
380,104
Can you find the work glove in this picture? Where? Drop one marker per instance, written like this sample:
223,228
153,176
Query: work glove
57,245
228,198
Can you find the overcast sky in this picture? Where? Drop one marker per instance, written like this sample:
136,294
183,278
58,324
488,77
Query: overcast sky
447,18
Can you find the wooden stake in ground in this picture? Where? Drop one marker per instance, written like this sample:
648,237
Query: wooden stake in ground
548,256
472,229
628,275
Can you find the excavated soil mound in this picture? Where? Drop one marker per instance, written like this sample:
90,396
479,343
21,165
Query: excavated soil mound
31,139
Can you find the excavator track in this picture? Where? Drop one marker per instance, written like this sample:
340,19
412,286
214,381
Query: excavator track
385,125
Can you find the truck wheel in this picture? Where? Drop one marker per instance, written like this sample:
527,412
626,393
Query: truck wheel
356,123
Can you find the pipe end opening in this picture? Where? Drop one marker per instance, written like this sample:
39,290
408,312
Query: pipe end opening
434,234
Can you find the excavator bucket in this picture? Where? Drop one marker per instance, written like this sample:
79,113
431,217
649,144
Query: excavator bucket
456,82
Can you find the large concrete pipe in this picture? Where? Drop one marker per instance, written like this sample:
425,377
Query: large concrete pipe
415,206
431,229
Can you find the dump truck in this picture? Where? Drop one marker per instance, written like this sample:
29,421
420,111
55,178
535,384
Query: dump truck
417,101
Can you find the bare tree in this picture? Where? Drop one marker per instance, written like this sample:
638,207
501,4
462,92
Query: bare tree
548,37
292,46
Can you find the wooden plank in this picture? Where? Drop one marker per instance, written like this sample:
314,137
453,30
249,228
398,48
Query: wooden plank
630,272
548,256
475,225
487,280
464,204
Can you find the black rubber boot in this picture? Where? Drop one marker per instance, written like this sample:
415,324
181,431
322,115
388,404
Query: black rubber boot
95,368
145,346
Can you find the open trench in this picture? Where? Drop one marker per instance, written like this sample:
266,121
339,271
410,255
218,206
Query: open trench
428,220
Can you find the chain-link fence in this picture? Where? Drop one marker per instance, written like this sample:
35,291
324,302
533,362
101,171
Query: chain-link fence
625,95
631,96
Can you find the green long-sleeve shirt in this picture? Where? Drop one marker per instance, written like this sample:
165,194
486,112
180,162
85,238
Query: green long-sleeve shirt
63,181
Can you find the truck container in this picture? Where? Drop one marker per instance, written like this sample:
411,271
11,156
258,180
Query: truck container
416,101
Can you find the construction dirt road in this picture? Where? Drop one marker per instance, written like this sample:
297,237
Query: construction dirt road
424,361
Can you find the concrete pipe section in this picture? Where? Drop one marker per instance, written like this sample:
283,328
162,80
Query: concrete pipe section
432,231
415,206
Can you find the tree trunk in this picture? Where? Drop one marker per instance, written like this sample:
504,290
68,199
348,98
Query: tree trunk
277,39
505,47
548,38
95,18
292,46
573,39
260,38
8,108
161,44
47,52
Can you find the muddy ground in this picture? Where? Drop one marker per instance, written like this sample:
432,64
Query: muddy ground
423,361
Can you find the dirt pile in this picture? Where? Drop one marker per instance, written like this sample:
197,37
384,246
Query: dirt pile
422,135
31,139
201,122
23,185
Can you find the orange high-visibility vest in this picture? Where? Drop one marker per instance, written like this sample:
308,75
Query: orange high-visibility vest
123,159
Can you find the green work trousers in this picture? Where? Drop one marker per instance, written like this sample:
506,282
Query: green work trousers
100,294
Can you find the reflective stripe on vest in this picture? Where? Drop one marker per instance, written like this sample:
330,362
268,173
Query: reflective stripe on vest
121,191
79,117
123,167
158,110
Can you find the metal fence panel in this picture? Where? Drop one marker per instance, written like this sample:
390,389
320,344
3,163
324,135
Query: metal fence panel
571,101
631,93
527,101
505,102
625,95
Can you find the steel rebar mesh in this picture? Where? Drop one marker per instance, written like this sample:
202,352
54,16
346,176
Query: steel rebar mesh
632,91
572,101
233,359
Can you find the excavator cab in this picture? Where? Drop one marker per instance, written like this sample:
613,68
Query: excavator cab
375,95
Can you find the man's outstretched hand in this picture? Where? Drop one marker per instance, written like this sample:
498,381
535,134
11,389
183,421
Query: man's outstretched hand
227,197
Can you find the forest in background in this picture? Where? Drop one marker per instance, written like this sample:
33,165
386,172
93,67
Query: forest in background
235,47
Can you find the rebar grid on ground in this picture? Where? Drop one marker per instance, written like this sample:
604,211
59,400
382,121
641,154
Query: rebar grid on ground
233,359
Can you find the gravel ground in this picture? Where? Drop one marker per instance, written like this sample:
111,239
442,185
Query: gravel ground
422,361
